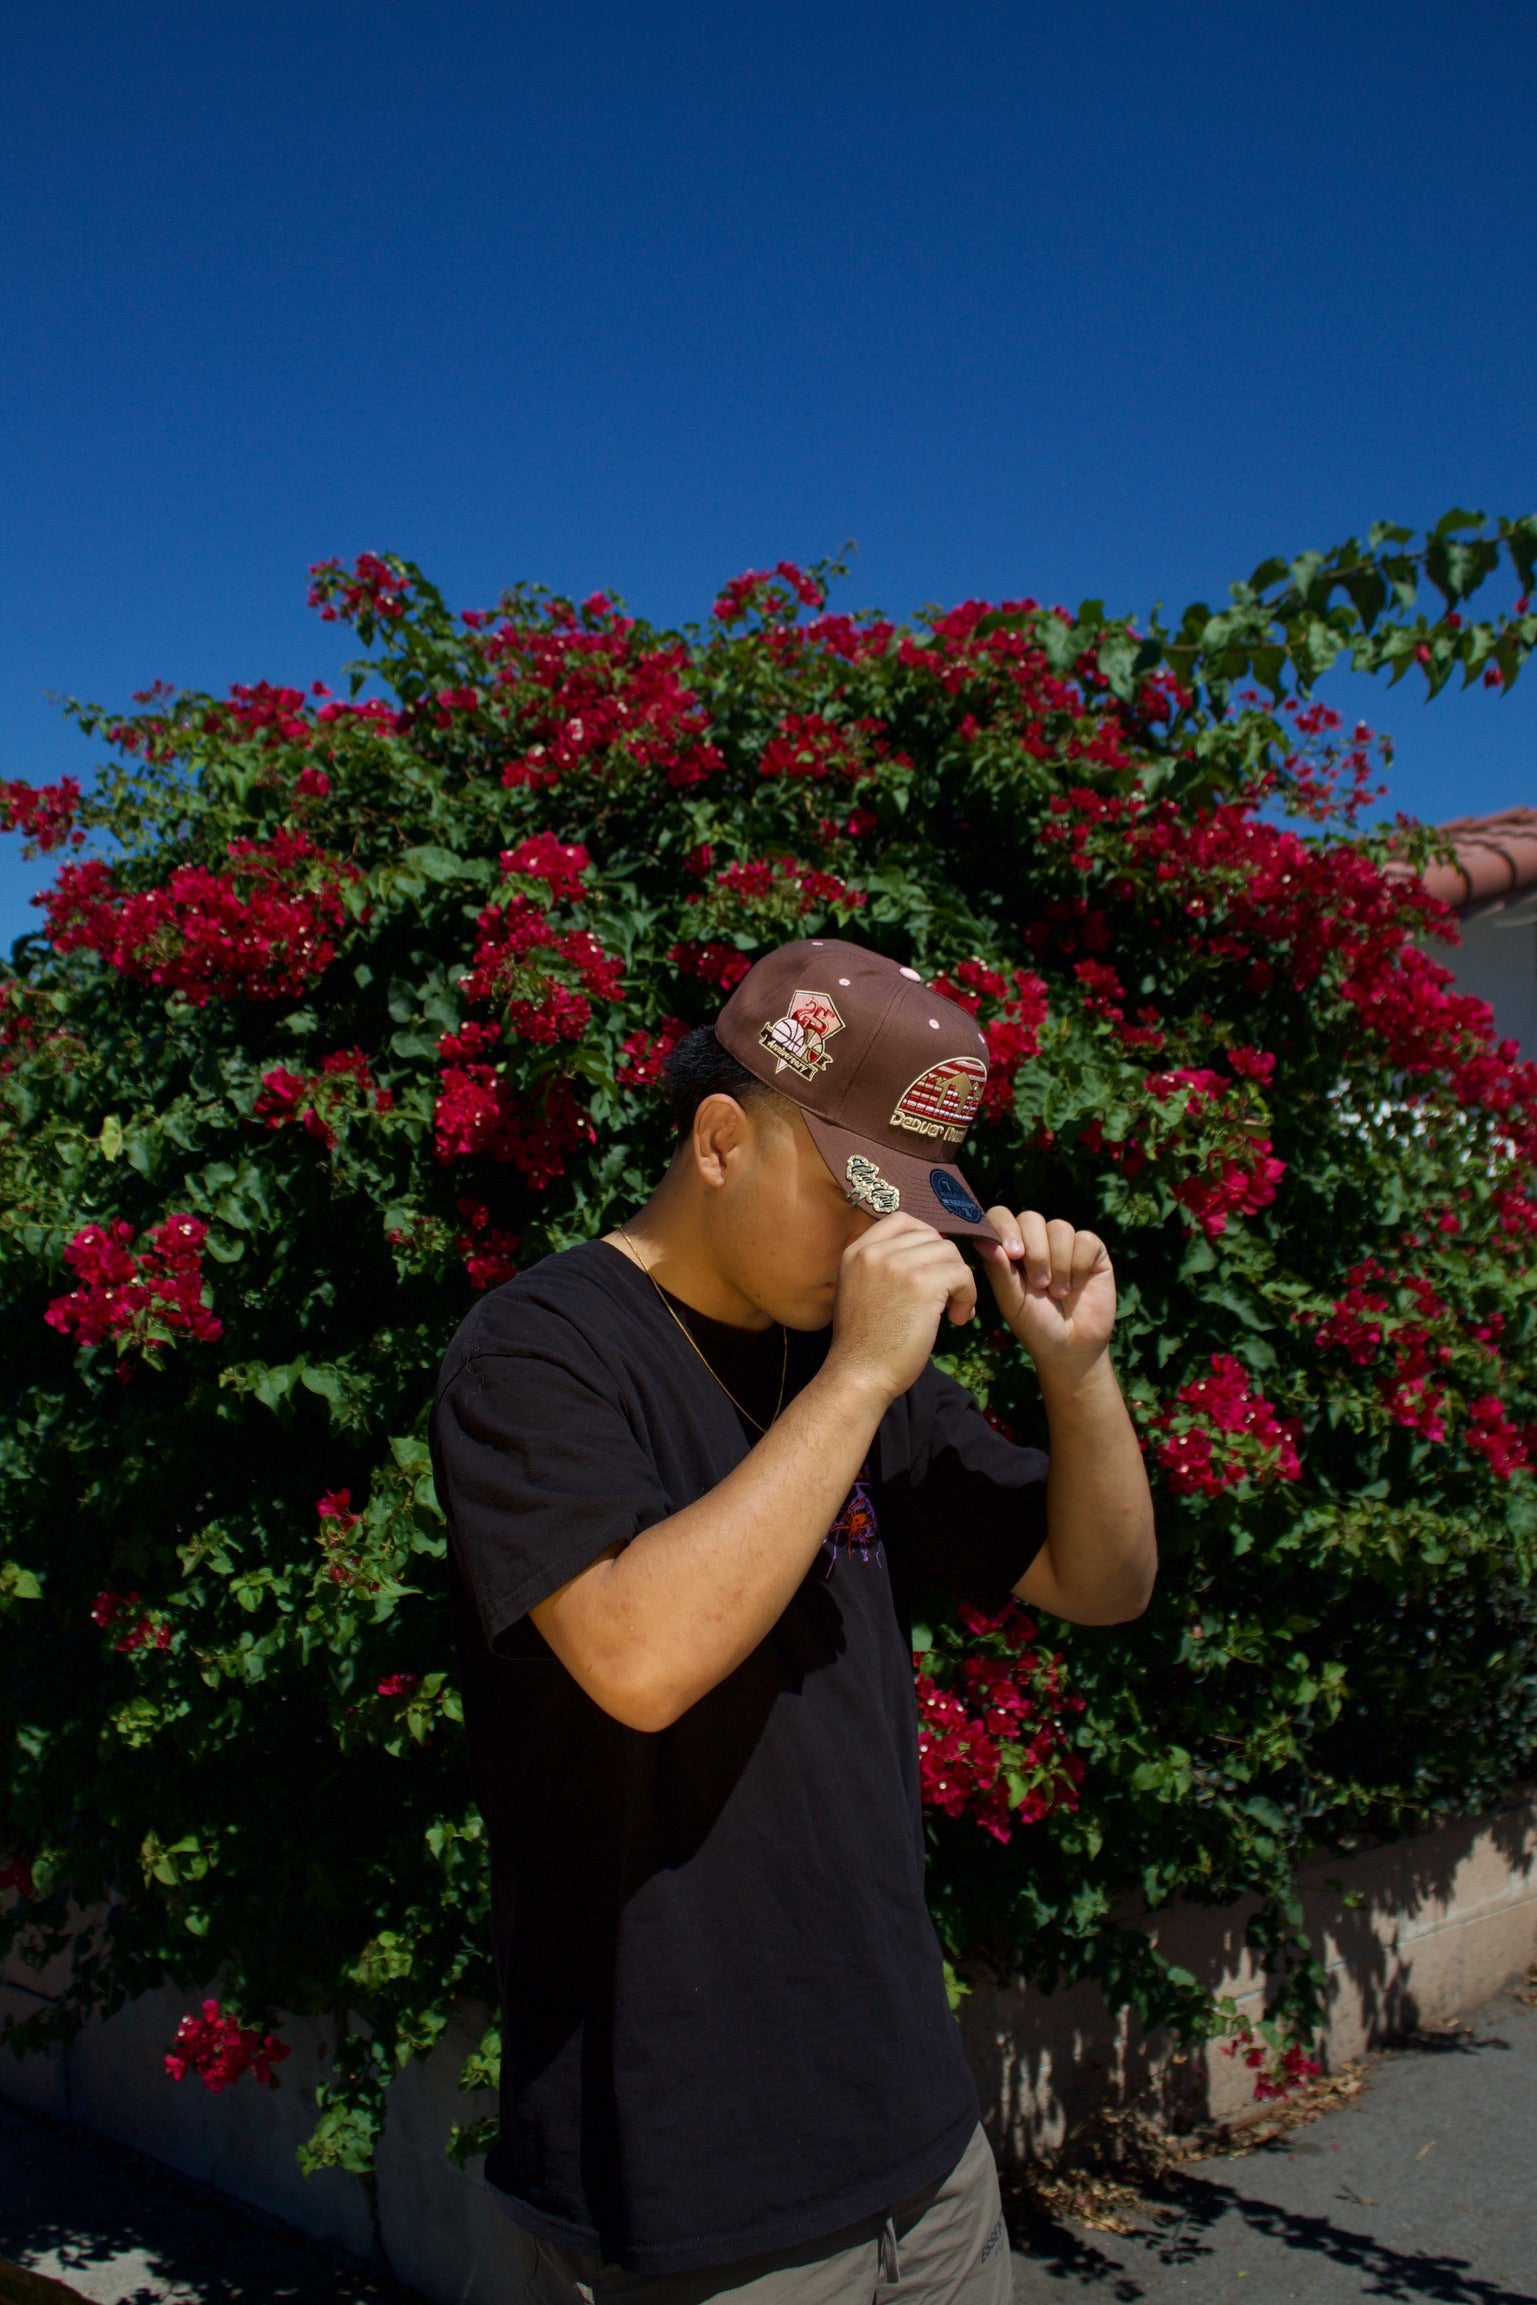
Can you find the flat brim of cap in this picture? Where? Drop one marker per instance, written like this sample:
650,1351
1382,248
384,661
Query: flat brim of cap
931,1190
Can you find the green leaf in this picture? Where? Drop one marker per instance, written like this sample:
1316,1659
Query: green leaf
18,1584
439,863
466,2143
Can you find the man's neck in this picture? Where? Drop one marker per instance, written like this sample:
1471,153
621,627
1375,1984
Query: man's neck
674,1247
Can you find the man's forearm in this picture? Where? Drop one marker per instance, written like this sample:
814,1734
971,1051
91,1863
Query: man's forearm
656,1624
1100,1557
665,1618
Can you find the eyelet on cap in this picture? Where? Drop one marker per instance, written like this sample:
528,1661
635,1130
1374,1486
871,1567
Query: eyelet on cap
912,972
844,980
933,1024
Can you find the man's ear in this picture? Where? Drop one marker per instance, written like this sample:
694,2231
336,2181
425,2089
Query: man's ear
721,1127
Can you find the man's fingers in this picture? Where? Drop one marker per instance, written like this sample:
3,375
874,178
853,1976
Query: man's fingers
1059,1239
906,1242
1051,1256
949,1270
1035,1250
1005,1278
925,1252
1006,1225
893,1227
962,1300
1088,1250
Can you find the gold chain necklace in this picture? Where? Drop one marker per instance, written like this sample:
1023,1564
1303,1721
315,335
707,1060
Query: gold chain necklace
667,1306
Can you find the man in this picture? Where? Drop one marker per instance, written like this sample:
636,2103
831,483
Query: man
691,1472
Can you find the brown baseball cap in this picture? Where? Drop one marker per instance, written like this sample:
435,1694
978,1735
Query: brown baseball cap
888,1074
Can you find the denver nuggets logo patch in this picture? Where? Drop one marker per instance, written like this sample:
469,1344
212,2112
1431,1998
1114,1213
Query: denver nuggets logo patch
943,1101
868,1189
799,1038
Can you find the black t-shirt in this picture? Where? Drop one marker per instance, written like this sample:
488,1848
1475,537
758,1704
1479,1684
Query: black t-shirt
724,2019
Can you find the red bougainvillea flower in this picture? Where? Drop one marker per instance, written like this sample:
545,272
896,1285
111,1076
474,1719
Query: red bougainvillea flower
1357,1323
525,967
320,1102
1012,1010
269,714
473,1112
374,586
594,702
644,1054
712,963
218,2048
1218,1433
1278,2072
45,813
144,1301
543,857
1402,1320
263,927
490,1254
1496,1438
338,1522
1237,1173
786,880
479,1113
757,593
756,902
812,748
142,1632
992,1739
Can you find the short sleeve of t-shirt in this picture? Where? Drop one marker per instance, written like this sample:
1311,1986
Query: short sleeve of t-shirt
539,1471
978,1499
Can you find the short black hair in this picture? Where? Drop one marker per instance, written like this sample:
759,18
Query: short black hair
699,1067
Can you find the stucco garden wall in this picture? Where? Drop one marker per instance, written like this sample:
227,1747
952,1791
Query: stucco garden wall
1415,1933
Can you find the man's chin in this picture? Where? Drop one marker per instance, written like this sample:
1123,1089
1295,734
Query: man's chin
811,1316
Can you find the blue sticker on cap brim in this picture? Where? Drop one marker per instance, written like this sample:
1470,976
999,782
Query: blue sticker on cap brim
953,1197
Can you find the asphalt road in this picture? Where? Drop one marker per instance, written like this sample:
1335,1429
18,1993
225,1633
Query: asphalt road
1421,2191
122,2230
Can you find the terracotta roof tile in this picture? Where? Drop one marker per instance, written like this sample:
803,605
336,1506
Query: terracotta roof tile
1496,856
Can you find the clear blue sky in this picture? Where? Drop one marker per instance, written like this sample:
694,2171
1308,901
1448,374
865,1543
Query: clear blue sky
1108,300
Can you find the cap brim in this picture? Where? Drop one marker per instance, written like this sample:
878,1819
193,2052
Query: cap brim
934,1191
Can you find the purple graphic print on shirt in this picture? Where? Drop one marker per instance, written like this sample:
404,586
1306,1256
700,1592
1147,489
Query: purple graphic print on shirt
856,1532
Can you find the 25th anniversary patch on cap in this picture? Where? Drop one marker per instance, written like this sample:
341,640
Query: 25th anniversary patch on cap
799,1038
879,1065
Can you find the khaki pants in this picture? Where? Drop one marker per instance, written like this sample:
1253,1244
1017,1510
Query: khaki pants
943,2246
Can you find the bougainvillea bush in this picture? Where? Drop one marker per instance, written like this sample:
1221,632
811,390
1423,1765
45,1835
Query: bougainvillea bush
344,1007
